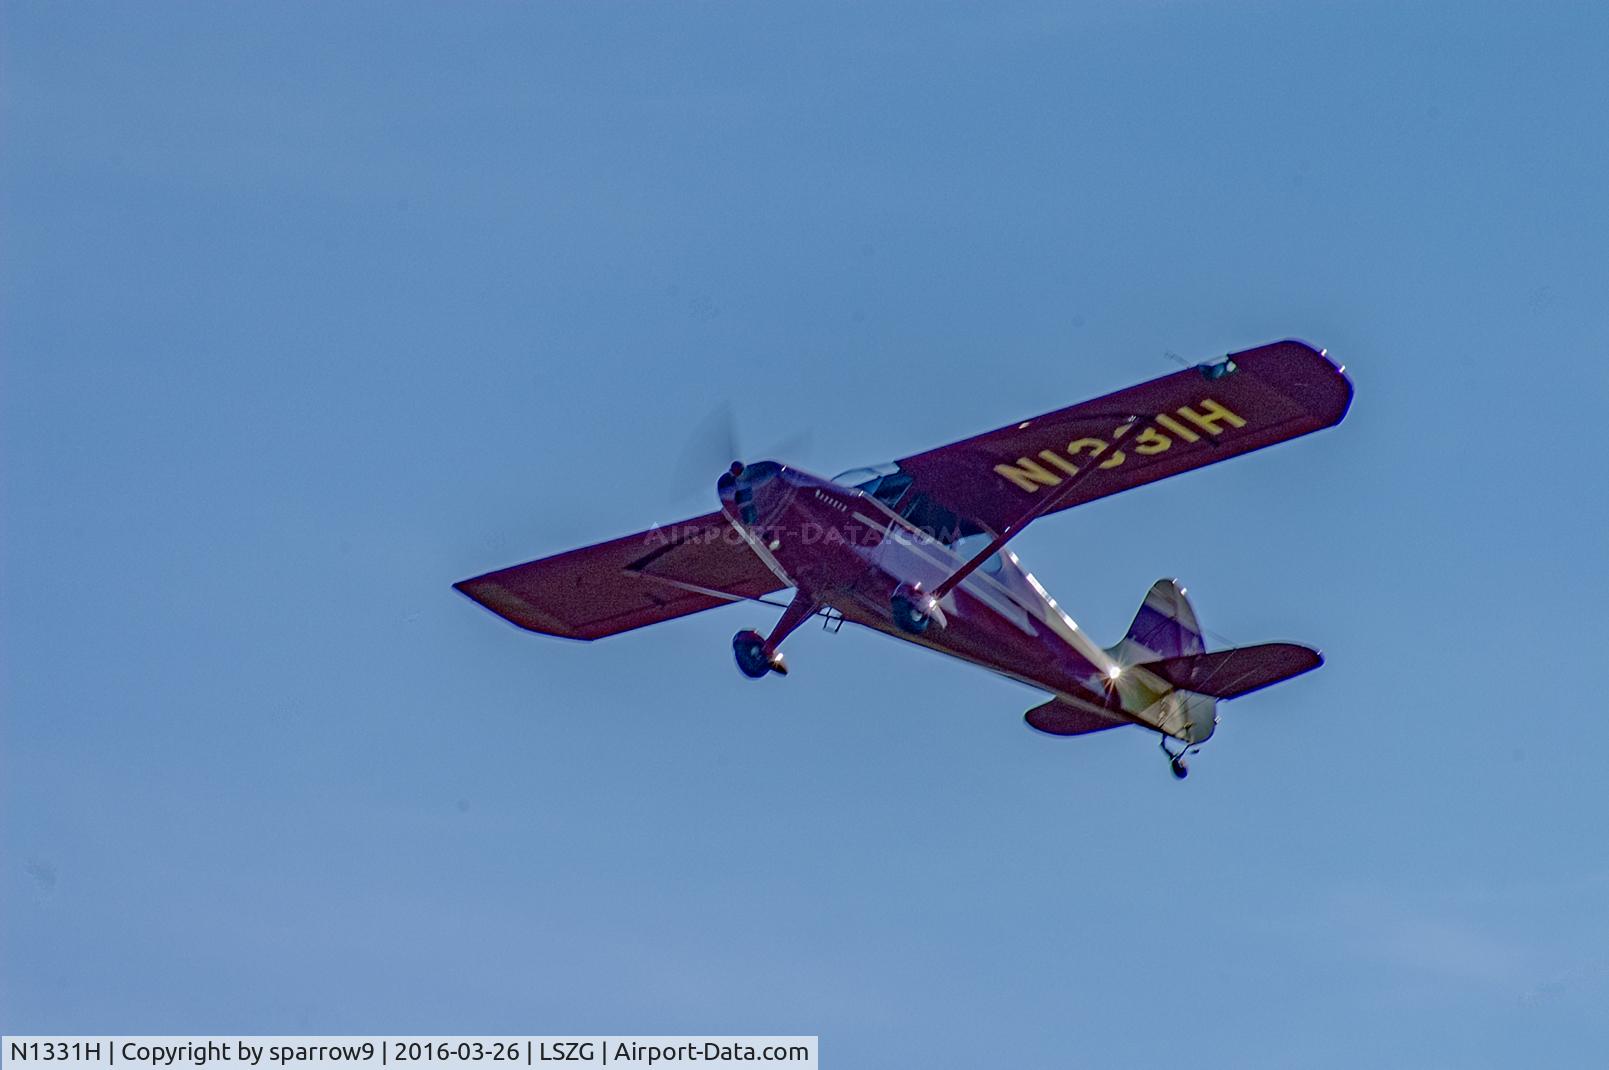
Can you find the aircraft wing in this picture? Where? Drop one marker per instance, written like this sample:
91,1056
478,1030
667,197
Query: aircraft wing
1186,420
615,586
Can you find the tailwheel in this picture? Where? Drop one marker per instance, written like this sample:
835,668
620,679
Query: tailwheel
752,661
1176,763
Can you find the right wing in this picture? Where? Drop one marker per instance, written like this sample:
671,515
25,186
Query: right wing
1135,436
615,586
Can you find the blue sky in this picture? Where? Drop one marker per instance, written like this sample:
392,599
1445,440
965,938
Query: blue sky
310,310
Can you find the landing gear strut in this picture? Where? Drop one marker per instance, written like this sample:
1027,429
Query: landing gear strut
757,656
1176,762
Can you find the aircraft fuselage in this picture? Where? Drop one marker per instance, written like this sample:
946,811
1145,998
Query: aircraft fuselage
847,550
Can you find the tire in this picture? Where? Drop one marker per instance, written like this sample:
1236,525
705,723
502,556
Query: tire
748,648
908,615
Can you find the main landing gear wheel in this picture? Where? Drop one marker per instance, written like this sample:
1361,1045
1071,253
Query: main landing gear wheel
1180,769
914,610
752,661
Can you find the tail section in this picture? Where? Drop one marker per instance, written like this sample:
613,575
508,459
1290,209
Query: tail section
1165,627
1168,679
1165,678
1237,671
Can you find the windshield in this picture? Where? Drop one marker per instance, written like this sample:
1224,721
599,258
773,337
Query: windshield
885,482
859,477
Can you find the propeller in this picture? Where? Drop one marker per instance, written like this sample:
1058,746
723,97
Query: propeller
712,447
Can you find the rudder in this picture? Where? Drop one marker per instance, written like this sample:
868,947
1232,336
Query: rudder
1165,627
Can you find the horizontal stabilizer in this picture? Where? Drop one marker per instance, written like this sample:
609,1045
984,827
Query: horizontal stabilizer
1060,718
1237,671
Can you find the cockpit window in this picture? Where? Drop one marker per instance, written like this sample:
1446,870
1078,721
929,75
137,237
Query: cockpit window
892,487
969,546
886,482
859,477
941,523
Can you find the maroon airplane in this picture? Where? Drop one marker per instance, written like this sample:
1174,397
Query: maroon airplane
916,549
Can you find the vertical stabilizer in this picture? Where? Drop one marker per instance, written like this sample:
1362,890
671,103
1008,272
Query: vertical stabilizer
1165,627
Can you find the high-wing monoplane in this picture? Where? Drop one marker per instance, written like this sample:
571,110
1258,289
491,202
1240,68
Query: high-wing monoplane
916,549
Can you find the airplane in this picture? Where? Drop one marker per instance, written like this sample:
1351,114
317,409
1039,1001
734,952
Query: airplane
916,549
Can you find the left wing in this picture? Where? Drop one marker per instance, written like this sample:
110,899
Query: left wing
615,586
1186,420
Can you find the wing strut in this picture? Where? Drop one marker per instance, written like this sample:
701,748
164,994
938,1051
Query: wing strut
1039,508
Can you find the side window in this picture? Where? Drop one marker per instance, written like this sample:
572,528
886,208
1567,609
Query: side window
931,517
890,489
969,546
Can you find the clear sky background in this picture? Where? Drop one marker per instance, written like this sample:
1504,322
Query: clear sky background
310,310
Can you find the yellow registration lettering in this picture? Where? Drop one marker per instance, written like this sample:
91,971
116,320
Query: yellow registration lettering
1052,457
1177,428
1211,416
1028,474
1117,456
1095,447
1151,441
